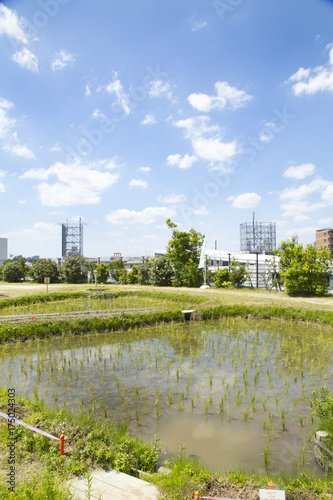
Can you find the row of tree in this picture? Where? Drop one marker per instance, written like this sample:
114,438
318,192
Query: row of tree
302,270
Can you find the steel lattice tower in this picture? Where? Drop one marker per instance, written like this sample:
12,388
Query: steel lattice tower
72,238
257,236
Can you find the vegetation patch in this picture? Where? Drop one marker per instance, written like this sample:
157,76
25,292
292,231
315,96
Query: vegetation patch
89,444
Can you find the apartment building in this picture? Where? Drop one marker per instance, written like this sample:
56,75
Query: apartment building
324,237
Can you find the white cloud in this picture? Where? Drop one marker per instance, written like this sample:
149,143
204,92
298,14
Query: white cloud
2,173
300,74
201,211
76,183
301,192
207,142
39,231
57,213
301,171
310,81
97,114
19,150
11,25
6,123
308,231
26,59
185,161
296,200
147,216
245,200
9,135
138,183
199,26
214,150
56,148
159,88
2,188
327,194
301,218
149,119
172,198
225,94
87,91
62,59
22,202
145,169
122,99
325,222
109,163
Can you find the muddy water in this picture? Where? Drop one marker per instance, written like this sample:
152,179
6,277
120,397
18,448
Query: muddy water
235,393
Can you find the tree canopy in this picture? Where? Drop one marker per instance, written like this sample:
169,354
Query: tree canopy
161,272
304,270
43,268
13,271
73,269
183,252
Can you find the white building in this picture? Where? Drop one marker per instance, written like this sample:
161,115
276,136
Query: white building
257,263
3,250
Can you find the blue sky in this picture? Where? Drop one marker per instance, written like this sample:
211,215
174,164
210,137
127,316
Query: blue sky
128,112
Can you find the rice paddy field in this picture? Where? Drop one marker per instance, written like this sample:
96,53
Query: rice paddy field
235,392
110,302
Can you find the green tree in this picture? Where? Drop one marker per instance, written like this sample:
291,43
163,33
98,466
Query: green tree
116,269
43,268
144,271
183,252
123,276
304,270
73,269
102,272
161,272
12,271
133,275
237,273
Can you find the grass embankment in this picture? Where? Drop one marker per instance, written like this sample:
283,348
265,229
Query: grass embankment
41,473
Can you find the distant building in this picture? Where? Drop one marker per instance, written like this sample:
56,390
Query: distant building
72,239
324,237
3,250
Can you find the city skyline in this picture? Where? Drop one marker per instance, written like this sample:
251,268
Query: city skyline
125,114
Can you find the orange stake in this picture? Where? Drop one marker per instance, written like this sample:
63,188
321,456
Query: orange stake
271,485
62,444
196,495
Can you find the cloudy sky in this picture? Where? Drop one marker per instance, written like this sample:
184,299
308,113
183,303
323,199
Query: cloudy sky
128,112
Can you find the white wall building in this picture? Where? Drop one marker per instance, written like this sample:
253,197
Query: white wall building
219,259
3,250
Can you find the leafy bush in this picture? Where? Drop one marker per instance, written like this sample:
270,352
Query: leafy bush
222,278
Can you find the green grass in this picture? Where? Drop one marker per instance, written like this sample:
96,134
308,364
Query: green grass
90,443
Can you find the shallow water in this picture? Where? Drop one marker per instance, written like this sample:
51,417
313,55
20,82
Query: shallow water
235,392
